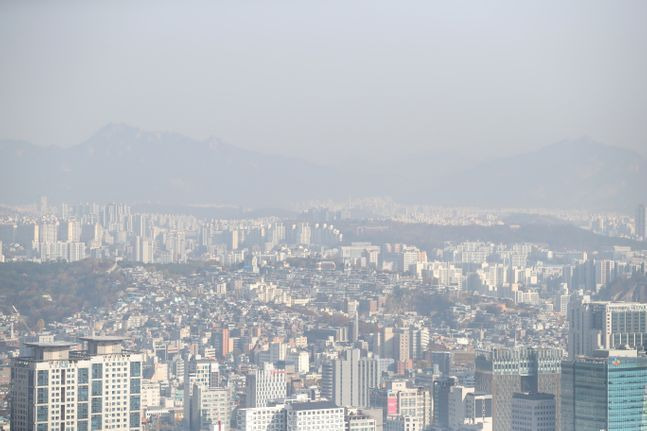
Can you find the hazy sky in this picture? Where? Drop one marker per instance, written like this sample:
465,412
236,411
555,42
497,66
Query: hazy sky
329,79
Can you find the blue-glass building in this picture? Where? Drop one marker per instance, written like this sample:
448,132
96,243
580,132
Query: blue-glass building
605,393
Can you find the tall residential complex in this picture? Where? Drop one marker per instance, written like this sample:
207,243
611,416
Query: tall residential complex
202,373
605,392
347,381
265,385
402,404
595,325
503,372
640,222
56,389
210,408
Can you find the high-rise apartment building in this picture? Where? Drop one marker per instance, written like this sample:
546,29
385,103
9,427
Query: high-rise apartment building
604,392
641,222
348,380
48,232
70,231
387,342
202,373
401,345
56,389
222,343
265,385
210,408
143,250
457,406
398,399
503,372
605,272
596,325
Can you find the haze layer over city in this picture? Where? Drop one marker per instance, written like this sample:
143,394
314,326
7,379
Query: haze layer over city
304,216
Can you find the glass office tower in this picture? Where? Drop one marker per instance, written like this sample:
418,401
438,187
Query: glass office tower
605,393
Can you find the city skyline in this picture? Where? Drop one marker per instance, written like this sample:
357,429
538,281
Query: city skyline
323,216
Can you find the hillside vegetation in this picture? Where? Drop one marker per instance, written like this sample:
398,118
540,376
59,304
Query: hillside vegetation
52,291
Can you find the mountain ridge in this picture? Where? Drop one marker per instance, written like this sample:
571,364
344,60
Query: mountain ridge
122,162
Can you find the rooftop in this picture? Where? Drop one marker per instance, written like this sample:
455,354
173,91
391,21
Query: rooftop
49,344
533,396
314,405
103,338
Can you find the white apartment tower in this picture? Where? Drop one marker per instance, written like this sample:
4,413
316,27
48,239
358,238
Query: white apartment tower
315,416
270,418
595,325
210,409
202,373
348,380
56,389
264,385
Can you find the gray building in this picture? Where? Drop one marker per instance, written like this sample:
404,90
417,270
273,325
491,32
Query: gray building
533,412
640,222
347,380
596,325
503,372
442,388
442,362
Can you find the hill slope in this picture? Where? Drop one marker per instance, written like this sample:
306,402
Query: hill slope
570,174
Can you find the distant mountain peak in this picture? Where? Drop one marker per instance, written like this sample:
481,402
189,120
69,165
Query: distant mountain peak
586,144
113,130
122,162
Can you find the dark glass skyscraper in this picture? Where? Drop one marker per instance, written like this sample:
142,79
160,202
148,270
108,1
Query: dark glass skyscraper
605,393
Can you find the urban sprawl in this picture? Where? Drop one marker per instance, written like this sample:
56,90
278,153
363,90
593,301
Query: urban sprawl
322,320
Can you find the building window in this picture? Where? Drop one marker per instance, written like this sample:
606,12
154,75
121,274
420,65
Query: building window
96,422
135,369
83,393
42,414
134,420
82,411
97,371
82,426
96,405
42,395
134,402
134,386
83,376
43,377
96,388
